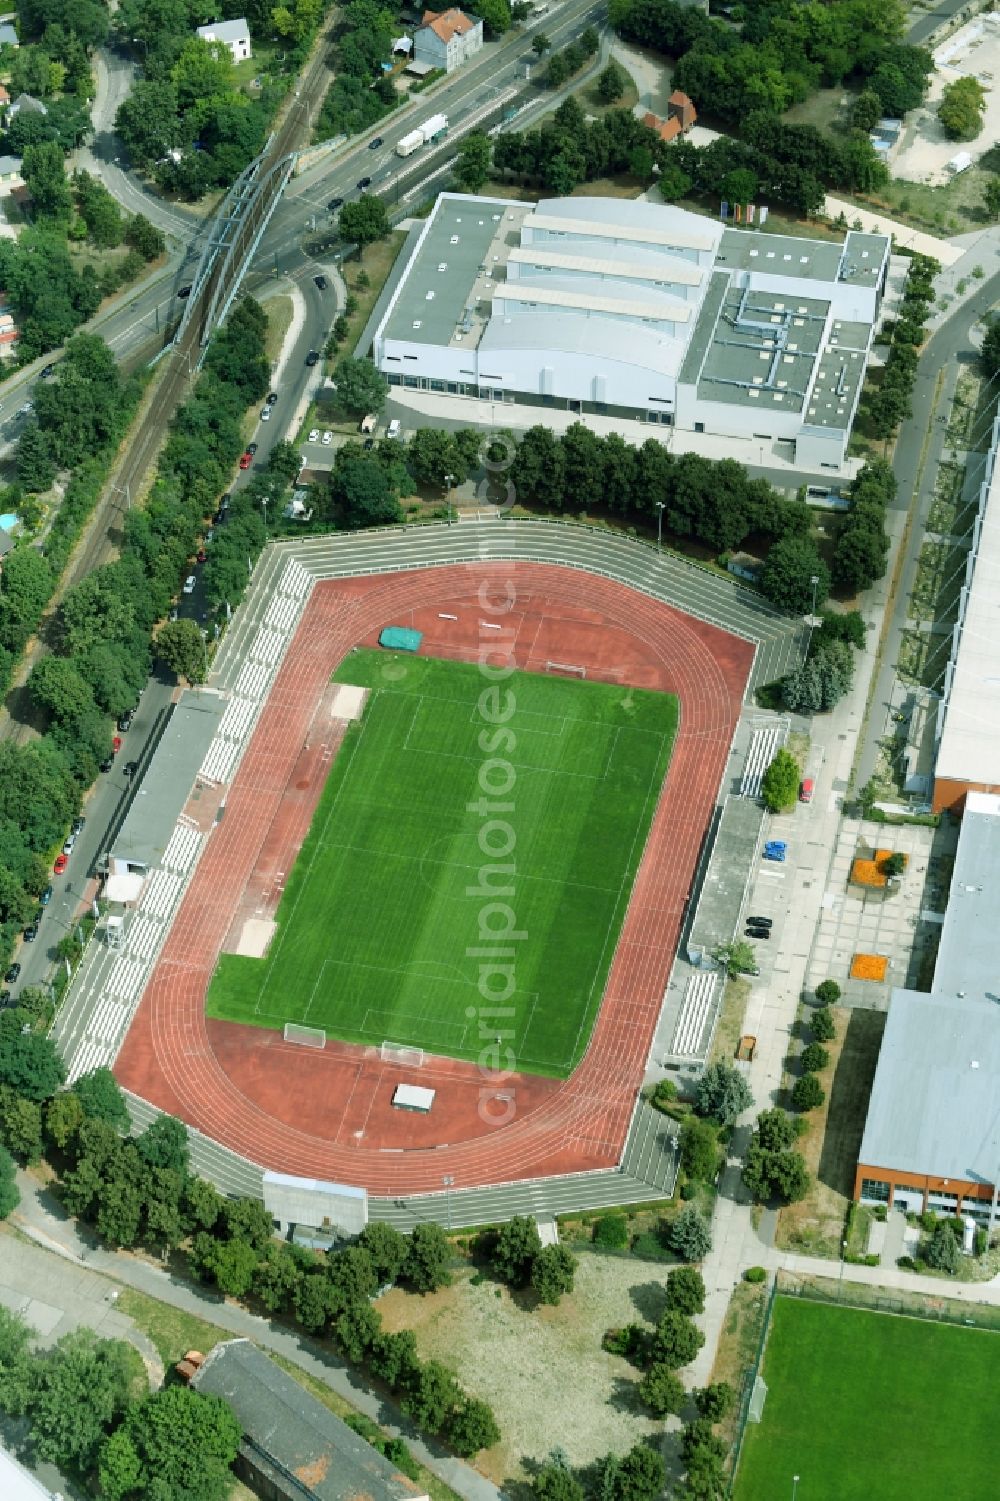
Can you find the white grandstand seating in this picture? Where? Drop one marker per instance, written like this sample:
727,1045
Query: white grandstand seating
181,849
267,646
218,764
695,1013
763,745
253,681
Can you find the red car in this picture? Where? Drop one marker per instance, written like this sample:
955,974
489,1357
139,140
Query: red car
246,460
61,863
116,744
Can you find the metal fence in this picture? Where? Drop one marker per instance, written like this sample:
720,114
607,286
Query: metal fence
750,1381
903,1301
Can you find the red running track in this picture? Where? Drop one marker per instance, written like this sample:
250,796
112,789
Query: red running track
327,1114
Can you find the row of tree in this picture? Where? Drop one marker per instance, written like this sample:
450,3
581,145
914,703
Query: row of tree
883,406
89,1411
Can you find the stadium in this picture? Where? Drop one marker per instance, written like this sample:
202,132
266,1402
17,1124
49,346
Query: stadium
329,881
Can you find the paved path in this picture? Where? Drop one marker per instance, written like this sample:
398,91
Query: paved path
87,1266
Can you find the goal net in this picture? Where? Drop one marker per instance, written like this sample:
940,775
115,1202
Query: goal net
568,667
395,1052
309,1037
757,1400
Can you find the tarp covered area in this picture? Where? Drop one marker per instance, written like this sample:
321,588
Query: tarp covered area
400,638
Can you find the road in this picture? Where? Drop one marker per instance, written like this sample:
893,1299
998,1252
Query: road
915,460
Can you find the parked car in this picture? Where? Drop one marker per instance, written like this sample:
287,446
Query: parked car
116,744
131,767
125,721
335,204
184,291
190,583
30,933
762,934
12,973
374,145
68,846
46,371
392,431
78,824
251,449
5,998
327,438
321,282
108,761
46,897
201,555
246,459
312,358
364,182
806,790
775,849
313,435
760,922
265,414
272,398
369,444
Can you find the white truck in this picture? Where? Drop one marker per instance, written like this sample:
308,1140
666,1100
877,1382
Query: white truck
431,130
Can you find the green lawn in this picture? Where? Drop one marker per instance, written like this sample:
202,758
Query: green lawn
379,928
864,1405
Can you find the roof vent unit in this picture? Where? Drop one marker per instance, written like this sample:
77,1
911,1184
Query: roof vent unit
443,266
416,323
454,240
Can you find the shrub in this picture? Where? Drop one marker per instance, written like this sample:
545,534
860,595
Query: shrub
691,1234
686,1290
823,1029
662,1390
906,1263
665,1094
828,992
814,1058
808,1093
699,1150
941,1250
755,1274
611,1232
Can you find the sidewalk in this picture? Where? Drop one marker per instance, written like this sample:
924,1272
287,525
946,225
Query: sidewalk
41,1220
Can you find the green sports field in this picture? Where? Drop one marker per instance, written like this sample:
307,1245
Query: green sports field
872,1407
379,927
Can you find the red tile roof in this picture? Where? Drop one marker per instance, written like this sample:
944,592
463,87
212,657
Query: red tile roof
448,23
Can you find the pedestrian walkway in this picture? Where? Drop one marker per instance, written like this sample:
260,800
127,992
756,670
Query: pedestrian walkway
904,234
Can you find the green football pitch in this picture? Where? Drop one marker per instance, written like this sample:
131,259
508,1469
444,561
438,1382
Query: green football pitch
870,1405
384,930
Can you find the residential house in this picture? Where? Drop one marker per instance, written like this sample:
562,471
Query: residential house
667,130
10,175
232,34
292,1446
4,97
29,104
681,109
447,39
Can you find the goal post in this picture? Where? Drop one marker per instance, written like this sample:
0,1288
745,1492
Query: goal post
396,1052
572,669
307,1037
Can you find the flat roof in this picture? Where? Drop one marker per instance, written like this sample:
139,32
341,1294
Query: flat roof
623,219
763,349
839,376
170,778
864,256
969,950
935,1107
970,737
779,255
17,1484
312,1185
413,1097
448,284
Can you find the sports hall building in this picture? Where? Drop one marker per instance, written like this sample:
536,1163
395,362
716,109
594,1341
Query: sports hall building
639,310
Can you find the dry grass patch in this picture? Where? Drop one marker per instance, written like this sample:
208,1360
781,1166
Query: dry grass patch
542,1370
738,1345
833,1137
730,1028
280,311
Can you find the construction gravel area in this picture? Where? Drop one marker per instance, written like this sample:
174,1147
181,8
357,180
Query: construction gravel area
542,1370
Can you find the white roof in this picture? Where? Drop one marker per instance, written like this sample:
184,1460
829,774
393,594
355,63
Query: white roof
681,273
970,740
413,1097
530,290
623,219
226,31
313,1185
16,1484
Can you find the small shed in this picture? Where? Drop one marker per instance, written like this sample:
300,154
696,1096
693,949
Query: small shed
400,638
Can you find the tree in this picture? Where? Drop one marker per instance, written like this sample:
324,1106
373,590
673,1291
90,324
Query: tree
699,1150
808,1093
433,457
690,1234
362,489
475,158
686,1290
781,1174
677,1340
431,1396
35,468
515,1248
102,1099
144,237
181,646
674,182
775,1130
715,1402
173,1445
940,1251
780,784
814,1058
427,1258
555,1481
360,387
893,865
552,1273
44,174
786,579
9,1195
386,1247
364,221
828,994
722,1093
471,1427
17,1364
20,1127
823,1028
737,958
867,111
164,1144
961,109
612,83
540,44
698,1443
57,688
80,1389
63,1118
28,1063
662,1390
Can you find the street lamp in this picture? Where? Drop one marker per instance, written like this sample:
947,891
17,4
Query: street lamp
795,1485
814,580
263,500
659,524
449,480
448,1183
